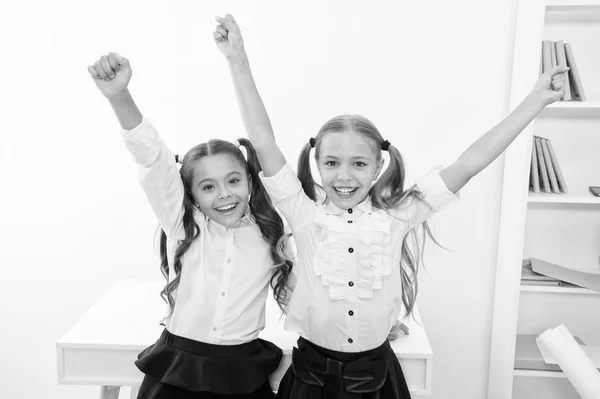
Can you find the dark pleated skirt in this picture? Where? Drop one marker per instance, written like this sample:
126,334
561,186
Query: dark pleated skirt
180,368
319,373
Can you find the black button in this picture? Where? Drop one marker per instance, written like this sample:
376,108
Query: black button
350,210
349,221
350,250
350,340
351,283
351,313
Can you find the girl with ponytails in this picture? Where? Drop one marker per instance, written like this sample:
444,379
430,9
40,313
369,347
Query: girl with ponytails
356,233
220,249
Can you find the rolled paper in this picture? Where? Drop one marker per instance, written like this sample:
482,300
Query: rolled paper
591,351
578,368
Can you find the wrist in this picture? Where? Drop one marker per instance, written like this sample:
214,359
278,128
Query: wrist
238,60
123,95
533,103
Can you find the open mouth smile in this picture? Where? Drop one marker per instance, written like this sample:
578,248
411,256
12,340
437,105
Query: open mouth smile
345,192
227,209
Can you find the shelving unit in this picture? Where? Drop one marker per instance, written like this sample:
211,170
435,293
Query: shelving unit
559,228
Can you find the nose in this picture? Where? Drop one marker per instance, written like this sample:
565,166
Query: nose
224,193
344,173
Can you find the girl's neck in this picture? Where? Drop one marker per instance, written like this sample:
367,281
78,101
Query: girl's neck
244,221
337,209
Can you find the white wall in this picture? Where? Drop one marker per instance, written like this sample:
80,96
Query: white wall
433,77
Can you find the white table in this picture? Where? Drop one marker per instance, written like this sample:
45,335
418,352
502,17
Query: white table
100,348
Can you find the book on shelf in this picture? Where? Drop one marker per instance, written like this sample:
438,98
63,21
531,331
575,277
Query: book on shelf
529,277
576,86
553,54
560,53
534,176
545,186
545,172
549,166
561,60
582,278
543,283
546,55
562,184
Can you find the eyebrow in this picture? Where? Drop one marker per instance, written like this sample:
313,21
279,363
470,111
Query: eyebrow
226,176
352,158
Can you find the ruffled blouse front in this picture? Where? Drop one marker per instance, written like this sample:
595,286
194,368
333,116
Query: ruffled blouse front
372,231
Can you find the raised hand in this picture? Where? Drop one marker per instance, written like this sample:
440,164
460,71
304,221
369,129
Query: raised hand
228,37
551,86
111,73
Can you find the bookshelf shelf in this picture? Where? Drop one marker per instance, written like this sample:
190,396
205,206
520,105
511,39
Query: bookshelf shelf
575,109
539,373
539,198
574,105
557,289
572,3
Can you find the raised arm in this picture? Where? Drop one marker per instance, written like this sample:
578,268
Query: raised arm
157,170
112,74
228,38
488,147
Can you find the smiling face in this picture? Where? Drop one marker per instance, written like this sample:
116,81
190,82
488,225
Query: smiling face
221,188
348,165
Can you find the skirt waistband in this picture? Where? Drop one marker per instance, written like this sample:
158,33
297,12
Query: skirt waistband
380,352
211,350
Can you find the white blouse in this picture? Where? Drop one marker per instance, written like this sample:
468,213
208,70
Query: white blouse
349,290
225,273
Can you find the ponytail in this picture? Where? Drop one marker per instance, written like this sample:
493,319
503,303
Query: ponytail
304,173
192,231
387,193
388,190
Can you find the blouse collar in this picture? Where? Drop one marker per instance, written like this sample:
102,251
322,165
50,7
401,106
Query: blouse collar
245,221
330,208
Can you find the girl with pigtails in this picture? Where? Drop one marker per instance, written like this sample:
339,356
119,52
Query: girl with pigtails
220,247
357,268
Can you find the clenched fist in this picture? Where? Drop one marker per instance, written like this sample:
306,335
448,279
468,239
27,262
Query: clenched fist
111,73
228,37
551,86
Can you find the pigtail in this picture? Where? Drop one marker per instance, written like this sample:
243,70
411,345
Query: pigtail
192,231
164,261
304,173
388,192
271,227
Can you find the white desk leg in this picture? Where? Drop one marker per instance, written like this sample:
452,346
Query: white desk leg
109,392
134,391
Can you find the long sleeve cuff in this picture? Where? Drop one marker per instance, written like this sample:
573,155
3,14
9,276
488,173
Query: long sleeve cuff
143,142
283,185
434,190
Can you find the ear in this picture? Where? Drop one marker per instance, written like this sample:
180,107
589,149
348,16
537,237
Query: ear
378,169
